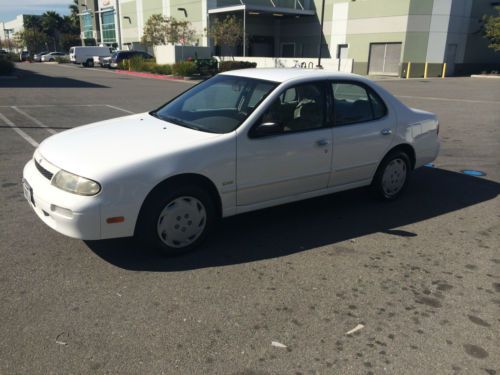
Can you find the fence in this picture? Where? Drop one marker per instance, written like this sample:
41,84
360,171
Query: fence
344,65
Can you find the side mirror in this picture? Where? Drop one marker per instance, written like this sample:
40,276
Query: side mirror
266,128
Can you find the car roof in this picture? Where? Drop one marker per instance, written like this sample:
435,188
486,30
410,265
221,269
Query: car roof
287,74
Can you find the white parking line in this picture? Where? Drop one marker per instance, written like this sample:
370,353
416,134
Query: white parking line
26,137
448,99
35,120
119,109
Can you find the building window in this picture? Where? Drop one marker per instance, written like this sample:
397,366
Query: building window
87,26
108,27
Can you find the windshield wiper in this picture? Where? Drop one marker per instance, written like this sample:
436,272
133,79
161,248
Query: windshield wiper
178,121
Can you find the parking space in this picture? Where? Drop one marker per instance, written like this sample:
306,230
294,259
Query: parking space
420,275
40,121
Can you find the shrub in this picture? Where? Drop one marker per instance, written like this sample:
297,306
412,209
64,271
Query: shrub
13,57
184,68
62,59
206,66
123,65
6,66
224,66
137,63
162,69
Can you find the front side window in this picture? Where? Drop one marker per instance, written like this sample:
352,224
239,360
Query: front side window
353,103
218,105
298,108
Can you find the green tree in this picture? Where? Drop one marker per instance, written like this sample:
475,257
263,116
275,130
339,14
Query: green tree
33,22
227,32
51,25
180,32
156,30
160,30
74,17
491,29
32,39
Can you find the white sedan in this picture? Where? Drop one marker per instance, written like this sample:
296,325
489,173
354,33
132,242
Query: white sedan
52,56
238,142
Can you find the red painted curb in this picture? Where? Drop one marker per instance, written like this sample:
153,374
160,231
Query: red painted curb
149,75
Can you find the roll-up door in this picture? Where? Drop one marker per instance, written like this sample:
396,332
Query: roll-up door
384,58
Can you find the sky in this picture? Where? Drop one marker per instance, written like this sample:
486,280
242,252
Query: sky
9,9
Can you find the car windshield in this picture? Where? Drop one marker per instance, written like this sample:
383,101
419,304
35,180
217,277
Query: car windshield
218,105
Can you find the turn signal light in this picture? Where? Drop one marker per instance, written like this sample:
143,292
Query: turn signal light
116,219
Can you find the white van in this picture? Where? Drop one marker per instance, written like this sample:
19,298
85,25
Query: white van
85,55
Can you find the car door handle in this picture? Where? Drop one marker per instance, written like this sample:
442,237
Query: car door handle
322,142
386,131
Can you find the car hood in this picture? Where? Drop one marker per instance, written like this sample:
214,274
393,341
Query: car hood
105,147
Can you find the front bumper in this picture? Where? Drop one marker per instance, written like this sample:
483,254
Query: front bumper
70,214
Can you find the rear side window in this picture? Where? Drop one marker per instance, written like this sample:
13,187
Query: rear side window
355,103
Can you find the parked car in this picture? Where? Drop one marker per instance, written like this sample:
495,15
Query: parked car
240,141
119,56
38,56
105,62
24,55
3,52
51,56
85,55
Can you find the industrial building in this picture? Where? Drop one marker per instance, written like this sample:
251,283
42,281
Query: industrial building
379,36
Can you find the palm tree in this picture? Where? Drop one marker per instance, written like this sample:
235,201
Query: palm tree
51,25
74,8
75,11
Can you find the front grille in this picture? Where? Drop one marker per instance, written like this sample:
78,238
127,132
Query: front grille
45,173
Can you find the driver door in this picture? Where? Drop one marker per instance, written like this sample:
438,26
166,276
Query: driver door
294,160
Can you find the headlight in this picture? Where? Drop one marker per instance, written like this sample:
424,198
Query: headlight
75,184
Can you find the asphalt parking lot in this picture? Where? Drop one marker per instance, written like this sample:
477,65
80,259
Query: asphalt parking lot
421,274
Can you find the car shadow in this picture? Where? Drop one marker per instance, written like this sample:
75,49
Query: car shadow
305,225
30,79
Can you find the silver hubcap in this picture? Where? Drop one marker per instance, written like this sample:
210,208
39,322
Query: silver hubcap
181,222
394,177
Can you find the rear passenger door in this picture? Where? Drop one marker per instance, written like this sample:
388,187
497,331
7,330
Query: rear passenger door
362,133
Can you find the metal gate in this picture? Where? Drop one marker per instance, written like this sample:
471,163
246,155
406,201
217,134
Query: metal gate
384,58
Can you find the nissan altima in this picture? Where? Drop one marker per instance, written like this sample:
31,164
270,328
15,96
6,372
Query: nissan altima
240,141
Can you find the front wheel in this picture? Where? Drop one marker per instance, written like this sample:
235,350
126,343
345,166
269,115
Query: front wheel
176,220
392,175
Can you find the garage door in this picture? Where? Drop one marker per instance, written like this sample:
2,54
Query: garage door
384,58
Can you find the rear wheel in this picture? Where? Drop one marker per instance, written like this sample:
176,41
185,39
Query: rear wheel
392,175
88,64
176,219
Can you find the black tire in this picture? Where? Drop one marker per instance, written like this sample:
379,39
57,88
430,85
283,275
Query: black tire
399,158
147,225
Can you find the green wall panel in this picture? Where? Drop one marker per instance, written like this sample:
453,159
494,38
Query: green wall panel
378,8
128,10
421,6
193,9
150,7
415,48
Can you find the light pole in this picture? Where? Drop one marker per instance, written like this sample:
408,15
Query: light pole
183,33
321,33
